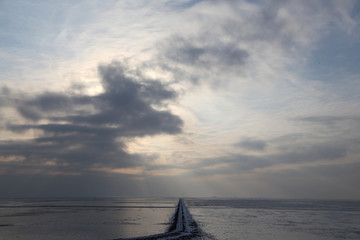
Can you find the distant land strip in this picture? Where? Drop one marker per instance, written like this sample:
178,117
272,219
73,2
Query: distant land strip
182,226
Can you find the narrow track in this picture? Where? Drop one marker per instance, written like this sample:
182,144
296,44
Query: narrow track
182,226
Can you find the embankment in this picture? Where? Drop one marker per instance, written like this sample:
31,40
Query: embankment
182,226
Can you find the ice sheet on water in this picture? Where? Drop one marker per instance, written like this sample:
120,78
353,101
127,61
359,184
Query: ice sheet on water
277,219
100,218
224,219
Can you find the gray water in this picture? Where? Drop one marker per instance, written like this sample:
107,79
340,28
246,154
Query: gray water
80,219
277,219
110,218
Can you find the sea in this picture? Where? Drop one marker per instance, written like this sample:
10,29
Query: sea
222,219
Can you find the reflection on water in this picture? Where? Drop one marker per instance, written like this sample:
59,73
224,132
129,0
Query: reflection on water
224,219
277,219
105,218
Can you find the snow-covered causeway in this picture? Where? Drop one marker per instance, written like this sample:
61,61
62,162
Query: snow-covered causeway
182,226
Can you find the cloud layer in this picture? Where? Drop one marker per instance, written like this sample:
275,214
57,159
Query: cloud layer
263,97
80,133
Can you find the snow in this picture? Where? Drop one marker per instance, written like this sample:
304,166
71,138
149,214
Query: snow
182,226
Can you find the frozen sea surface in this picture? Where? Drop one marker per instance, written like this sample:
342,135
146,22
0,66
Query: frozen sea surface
80,219
277,219
223,219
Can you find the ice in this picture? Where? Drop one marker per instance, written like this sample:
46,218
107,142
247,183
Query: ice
182,226
170,218
80,219
252,219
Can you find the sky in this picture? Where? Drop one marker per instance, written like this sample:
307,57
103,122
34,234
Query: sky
185,98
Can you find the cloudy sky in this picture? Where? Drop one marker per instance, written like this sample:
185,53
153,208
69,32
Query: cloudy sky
248,98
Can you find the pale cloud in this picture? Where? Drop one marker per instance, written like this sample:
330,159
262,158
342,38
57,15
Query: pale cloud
12,158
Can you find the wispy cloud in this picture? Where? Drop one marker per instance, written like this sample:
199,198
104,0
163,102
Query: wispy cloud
328,120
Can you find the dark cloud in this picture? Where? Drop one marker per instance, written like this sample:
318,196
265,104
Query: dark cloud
89,185
251,144
5,93
97,185
224,44
189,57
79,133
202,54
219,45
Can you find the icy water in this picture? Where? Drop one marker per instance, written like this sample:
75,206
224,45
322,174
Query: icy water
223,219
80,219
277,219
